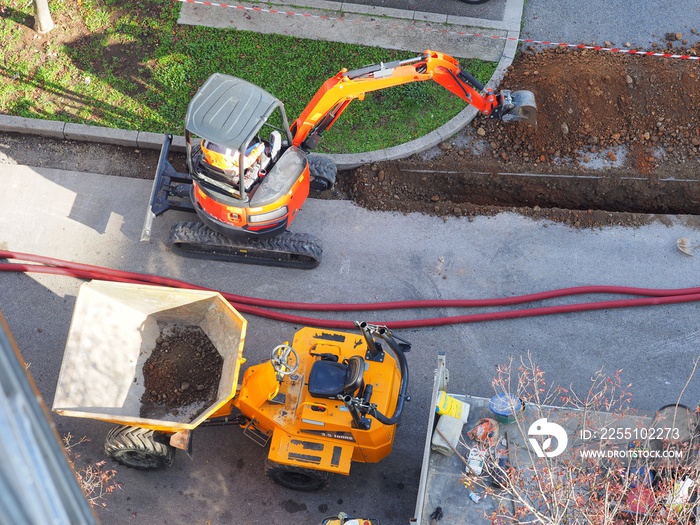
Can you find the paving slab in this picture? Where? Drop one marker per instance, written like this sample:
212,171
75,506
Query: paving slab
368,256
492,10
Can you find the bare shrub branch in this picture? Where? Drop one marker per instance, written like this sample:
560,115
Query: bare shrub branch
95,481
618,467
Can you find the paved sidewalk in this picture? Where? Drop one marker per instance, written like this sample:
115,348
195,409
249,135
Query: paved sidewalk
387,27
620,22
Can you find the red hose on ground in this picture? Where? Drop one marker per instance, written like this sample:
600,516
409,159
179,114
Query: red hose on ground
261,307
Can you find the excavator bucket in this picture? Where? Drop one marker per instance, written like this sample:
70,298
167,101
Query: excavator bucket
519,106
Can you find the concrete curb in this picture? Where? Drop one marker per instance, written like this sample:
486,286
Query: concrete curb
84,132
148,140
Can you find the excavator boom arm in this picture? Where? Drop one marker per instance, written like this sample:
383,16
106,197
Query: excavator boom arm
337,92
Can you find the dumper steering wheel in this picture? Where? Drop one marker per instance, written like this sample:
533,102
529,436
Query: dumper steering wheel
280,360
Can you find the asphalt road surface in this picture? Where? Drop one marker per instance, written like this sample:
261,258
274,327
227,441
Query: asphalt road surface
369,256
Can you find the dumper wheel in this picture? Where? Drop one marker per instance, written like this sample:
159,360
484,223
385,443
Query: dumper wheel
297,478
139,448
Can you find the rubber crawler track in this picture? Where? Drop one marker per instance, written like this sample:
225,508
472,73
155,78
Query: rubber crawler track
288,250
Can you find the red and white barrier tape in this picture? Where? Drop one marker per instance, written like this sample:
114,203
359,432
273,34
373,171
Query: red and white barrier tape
450,32
610,49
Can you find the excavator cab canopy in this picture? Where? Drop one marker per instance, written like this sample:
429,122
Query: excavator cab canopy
224,121
229,111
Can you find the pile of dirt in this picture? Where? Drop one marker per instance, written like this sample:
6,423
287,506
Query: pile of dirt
183,370
617,136
591,101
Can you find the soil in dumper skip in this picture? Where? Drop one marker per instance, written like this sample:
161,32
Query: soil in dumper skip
182,373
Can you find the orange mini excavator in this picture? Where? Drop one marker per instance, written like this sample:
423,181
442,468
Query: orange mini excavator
249,171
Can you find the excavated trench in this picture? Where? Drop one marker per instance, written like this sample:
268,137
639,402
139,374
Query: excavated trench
401,186
618,136
574,192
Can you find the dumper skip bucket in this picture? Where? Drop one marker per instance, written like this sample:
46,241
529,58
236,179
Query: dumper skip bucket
115,329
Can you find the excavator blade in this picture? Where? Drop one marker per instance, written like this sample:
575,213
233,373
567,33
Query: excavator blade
520,108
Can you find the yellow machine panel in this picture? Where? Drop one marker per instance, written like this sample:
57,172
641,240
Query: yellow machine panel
311,453
317,399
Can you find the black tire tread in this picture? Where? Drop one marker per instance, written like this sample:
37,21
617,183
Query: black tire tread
321,477
125,438
289,250
323,172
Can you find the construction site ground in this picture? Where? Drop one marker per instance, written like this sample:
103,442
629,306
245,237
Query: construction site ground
617,136
86,202
617,142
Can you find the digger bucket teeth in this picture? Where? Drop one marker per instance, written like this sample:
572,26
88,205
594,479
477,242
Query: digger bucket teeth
519,106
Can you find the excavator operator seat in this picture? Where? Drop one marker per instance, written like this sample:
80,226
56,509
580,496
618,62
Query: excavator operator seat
330,379
218,161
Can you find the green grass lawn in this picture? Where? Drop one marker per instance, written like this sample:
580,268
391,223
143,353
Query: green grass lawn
131,66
